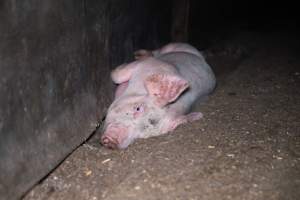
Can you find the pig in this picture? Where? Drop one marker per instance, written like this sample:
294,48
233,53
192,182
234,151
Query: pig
155,93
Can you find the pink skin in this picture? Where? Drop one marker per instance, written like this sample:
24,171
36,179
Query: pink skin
177,47
115,135
163,89
152,89
121,89
194,116
173,47
118,135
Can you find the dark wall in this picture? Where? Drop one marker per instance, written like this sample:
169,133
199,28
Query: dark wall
214,20
55,58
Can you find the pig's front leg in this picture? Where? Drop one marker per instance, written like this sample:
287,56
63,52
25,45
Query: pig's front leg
121,75
123,72
174,122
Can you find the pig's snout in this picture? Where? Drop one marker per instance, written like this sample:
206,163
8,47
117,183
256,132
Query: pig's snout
114,136
109,142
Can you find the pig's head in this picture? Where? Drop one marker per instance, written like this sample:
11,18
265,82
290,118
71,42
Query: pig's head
134,116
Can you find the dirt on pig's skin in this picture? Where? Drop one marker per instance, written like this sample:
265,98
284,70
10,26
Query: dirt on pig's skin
247,146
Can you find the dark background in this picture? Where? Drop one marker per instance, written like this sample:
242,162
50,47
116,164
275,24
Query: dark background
213,20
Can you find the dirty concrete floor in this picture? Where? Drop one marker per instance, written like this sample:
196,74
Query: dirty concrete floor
247,146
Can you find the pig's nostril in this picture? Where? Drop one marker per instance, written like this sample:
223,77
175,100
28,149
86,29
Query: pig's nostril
109,142
105,140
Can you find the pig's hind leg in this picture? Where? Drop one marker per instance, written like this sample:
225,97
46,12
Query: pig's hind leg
121,75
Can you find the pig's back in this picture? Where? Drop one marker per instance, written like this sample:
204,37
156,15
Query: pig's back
195,70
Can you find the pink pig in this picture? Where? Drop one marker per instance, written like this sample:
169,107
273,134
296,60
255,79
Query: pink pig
155,93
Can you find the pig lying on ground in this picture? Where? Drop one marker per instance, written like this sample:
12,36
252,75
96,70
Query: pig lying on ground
155,93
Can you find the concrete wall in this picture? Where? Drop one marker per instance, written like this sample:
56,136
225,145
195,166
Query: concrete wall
55,58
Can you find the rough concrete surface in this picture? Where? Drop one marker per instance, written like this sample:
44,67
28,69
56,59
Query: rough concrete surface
247,146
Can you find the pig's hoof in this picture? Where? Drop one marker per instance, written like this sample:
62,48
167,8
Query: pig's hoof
109,142
194,116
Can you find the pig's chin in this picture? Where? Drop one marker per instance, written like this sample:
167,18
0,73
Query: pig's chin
125,144
131,137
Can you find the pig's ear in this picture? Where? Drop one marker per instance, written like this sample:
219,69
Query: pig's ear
165,88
